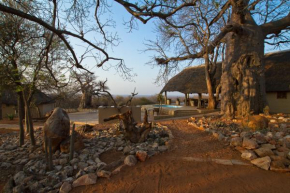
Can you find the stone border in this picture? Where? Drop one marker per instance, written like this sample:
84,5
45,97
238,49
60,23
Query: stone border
268,150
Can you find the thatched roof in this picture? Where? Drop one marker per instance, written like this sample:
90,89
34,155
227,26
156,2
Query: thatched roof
192,79
10,98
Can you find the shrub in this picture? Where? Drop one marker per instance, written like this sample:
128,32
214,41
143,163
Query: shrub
10,116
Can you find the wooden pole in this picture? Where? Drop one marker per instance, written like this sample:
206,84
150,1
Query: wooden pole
165,95
199,100
71,148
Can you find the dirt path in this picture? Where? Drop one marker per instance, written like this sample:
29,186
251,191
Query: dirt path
169,173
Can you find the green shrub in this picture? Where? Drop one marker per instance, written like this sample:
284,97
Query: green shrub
10,116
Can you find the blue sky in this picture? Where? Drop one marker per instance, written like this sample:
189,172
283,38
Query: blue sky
130,49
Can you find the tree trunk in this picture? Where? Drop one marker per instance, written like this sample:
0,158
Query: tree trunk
21,117
209,84
86,100
26,122
1,106
243,81
28,117
136,134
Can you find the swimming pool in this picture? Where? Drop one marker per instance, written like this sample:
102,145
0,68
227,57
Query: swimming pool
168,106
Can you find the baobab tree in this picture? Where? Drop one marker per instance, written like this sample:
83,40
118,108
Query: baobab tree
187,40
249,25
86,83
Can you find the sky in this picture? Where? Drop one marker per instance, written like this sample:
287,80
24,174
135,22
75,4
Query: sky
130,49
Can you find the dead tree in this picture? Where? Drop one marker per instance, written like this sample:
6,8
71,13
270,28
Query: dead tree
134,133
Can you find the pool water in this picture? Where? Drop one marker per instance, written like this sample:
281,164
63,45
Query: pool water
168,106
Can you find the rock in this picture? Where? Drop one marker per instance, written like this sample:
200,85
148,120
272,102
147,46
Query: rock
35,187
78,143
215,135
268,146
18,189
262,152
127,150
63,161
103,174
57,127
260,138
111,166
82,165
255,122
118,169
97,160
263,162
80,173
58,168
91,162
236,141
65,188
69,170
87,179
141,155
83,157
73,161
248,155
6,165
250,144
162,148
278,164
8,188
283,126
279,135
287,137
19,177
90,169
246,134
130,160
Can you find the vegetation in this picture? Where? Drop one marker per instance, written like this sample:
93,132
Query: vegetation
10,116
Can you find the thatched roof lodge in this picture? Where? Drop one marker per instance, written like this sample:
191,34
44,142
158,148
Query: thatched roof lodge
41,103
277,73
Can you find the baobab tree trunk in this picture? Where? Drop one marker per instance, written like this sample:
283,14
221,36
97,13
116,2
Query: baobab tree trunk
243,81
86,100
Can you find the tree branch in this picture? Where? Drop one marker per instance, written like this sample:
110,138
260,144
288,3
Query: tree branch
276,26
59,33
208,49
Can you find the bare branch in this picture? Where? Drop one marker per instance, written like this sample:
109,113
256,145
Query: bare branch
276,27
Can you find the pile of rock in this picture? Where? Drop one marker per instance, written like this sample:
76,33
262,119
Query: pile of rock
266,145
84,168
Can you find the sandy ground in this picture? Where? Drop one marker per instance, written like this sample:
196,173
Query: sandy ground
169,173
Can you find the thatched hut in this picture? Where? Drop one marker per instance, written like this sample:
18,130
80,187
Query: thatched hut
41,104
277,73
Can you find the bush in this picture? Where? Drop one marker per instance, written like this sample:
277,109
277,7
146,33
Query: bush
10,116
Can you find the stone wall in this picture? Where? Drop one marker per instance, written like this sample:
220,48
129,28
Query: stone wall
105,112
